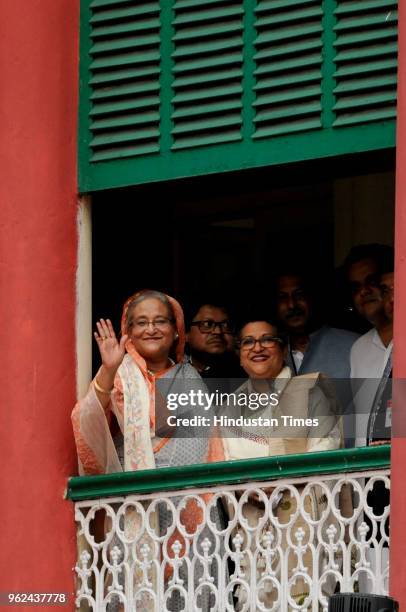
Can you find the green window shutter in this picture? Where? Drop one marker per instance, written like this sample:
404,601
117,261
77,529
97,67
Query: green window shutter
125,71
366,61
288,61
174,88
208,73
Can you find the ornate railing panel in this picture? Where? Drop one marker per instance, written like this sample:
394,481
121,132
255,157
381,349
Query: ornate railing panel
275,544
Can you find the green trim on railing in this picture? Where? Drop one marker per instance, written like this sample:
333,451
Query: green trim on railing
229,472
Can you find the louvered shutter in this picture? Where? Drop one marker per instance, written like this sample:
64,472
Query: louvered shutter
288,61
173,88
366,48
125,69
208,72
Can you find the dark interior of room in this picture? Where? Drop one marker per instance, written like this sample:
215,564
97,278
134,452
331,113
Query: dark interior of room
224,236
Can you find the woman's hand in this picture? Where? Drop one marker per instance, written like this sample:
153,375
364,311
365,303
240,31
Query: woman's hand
111,350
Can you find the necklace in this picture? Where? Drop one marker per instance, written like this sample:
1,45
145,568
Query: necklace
152,373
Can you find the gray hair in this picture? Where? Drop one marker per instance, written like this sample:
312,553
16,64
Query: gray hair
147,294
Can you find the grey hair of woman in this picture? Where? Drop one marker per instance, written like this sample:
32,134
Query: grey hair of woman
147,294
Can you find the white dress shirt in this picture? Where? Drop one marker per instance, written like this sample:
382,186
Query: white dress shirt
368,359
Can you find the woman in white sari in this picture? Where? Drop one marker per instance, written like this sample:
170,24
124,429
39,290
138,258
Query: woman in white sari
262,355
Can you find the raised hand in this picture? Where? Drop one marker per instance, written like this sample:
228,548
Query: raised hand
111,350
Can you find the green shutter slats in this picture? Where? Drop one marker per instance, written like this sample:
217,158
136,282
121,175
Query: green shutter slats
124,136
226,59
288,61
126,28
365,21
191,4
360,7
201,140
366,116
124,90
283,112
288,33
199,79
125,78
211,16
356,68
360,101
207,73
285,50
124,121
201,94
287,96
365,61
125,59
286,128
124,151
204,125
287,65
114,107
366,83
208,47
125,43
371,51
364,37
275,5
208,31
103,3
106,77
205,109
118,13
303,77
299,15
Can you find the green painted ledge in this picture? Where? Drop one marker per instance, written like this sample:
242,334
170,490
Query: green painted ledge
229,472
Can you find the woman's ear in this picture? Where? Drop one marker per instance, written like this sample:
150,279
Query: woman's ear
176,336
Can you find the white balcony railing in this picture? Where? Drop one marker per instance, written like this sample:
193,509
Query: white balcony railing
280,533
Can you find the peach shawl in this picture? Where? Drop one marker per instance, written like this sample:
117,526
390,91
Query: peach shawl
133,404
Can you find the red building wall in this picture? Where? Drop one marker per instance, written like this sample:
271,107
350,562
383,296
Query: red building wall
38,109
38,115
398,455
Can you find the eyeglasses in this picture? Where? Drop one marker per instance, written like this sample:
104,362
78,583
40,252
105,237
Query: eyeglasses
208,325
158,323
265,341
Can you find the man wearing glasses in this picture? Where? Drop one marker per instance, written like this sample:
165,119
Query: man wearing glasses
210,339
371,354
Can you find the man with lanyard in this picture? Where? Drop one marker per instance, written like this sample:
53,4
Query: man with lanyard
371,353
380,418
